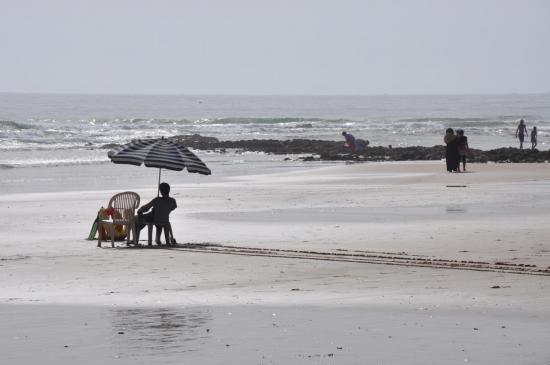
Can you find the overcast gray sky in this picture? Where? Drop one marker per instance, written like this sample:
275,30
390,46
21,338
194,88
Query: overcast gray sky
275,47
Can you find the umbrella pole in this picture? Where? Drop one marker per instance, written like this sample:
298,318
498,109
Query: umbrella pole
158,185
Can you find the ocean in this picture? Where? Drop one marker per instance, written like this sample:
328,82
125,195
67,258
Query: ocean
42,130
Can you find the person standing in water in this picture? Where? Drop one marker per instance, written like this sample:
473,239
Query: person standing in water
521,132
534,138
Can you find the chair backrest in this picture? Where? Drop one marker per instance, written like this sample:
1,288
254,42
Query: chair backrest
124,203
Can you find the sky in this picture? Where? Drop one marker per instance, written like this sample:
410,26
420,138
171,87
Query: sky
275,47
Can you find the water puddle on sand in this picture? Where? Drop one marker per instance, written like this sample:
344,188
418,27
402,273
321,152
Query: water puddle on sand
146,332
73,334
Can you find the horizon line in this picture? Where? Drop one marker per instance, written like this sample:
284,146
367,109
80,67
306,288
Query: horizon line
267,95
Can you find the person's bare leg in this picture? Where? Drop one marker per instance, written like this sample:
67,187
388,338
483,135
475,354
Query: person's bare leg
150,234
167,235
158,233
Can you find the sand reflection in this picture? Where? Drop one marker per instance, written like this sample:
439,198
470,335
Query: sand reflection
158,331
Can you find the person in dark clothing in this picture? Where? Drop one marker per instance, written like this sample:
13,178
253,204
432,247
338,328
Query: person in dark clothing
463,149
534,138
160,209
451,150
521,132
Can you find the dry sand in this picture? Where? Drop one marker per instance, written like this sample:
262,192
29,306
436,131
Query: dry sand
63,300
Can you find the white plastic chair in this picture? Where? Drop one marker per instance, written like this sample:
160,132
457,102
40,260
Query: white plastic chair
125,205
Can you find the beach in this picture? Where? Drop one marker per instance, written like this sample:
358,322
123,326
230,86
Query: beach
311,148
288,263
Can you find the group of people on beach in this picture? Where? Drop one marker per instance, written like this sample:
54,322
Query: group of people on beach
456,149
521,133
156,212
456,145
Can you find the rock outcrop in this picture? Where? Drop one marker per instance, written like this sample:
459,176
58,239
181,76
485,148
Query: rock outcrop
335,151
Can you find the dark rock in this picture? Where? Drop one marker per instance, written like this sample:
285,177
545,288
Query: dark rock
308,158
110,146
335,150
511,154
194,138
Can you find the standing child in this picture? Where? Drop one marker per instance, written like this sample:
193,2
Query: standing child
534,138
462,149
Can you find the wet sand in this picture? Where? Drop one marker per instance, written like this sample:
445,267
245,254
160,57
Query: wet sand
266,334
173,305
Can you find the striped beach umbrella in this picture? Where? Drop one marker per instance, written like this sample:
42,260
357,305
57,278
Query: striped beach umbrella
161,153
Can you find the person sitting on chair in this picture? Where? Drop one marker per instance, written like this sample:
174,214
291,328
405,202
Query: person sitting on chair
160,207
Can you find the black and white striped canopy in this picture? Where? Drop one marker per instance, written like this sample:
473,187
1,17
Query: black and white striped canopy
162,153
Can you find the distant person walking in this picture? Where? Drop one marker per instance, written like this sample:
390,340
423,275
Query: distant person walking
463,149
534,138
451,150
521,132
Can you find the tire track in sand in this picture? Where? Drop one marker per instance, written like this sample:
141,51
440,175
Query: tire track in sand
368,257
